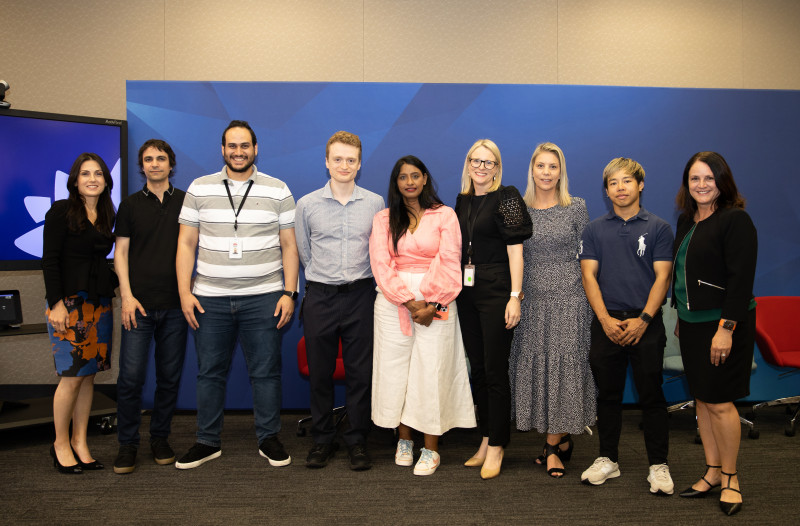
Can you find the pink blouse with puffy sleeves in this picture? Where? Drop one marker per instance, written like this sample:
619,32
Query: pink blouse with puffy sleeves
434,249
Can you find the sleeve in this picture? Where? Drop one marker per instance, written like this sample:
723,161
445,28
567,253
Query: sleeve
740,246
190,215
442,281
382,261
301,233
55,235
512,218
581,220
587,249
286,210
123,225
663,247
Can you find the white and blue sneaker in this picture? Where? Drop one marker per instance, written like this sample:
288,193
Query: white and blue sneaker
427,463
405,453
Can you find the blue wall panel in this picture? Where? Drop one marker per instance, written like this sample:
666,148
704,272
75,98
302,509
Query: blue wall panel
661,128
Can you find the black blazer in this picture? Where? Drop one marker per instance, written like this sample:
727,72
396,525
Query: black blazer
720,262
72,261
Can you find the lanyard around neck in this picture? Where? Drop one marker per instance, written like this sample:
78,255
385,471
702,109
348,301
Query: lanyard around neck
471,223
233,207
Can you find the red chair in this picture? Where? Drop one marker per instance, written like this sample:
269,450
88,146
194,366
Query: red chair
338,374
778,339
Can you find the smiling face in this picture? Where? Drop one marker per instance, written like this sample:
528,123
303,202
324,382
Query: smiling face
90,182
546,171
703,185
343,162
623,190
155,165
410,182
239,152
482,176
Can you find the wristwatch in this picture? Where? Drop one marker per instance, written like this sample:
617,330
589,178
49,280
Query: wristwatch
291,293
645,317
519,295
727,324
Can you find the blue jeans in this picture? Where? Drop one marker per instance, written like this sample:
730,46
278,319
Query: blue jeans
168,327
250,318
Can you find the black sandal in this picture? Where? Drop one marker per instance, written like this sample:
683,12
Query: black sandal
691,493
565,454
730,508
550,449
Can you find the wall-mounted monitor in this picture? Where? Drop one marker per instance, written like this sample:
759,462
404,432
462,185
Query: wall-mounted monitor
36,152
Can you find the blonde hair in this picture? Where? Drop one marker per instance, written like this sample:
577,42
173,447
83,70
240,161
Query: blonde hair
623,164
466,180
344,137
562,186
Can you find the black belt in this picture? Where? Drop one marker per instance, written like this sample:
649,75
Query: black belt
625,314
336,289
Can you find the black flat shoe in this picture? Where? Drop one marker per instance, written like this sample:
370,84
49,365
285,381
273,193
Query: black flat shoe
691,493
730,508
94,465
66,470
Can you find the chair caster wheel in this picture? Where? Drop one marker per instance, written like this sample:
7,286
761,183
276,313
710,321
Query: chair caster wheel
789,431
106,426
698,440
753,433
301,432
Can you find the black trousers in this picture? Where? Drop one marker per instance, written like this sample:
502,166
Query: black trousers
609,363
481,312
331,313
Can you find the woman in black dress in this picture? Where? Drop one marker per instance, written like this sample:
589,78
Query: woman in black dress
79,286
494,222
715,263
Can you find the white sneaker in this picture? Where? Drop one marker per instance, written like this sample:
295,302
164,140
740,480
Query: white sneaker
660,480
405,453
602,470
427,463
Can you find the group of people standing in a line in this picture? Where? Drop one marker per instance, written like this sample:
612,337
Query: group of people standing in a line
548,307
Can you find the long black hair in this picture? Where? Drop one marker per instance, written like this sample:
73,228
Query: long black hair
398,211
76,212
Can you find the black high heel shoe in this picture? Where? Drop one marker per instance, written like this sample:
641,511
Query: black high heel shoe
66,470
564,454
730,508
88,466
691,493
550,449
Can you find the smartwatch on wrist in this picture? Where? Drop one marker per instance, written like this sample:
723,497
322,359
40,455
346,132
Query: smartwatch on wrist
645,317
729,325
291,293
519,295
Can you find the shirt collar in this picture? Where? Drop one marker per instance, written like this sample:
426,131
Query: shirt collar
328,193
224,174
146,191
643,214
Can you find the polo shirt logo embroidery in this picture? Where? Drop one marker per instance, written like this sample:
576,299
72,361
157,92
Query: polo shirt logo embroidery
642,246
580,247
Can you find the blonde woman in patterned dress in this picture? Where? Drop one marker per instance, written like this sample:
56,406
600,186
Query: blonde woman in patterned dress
552,387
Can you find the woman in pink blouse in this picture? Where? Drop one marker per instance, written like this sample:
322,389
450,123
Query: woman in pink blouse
419,378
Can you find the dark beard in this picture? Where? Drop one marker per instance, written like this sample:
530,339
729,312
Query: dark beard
234,170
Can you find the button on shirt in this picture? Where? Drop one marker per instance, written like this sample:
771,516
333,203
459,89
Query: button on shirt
333,239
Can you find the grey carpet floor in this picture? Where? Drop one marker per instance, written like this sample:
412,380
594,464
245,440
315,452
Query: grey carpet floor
241,488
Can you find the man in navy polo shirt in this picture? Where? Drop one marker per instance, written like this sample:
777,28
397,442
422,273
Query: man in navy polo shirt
626,264
147,240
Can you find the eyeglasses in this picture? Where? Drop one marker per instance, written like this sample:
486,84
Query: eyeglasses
351,162
476,163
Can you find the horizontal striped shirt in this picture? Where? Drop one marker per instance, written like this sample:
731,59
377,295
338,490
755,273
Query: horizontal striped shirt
268,209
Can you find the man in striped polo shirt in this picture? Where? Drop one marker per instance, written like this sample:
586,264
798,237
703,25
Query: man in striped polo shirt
243,223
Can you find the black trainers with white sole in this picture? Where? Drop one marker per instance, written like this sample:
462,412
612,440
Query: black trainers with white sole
198,455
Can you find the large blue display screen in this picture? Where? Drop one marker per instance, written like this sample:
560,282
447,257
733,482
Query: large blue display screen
755,130
36,153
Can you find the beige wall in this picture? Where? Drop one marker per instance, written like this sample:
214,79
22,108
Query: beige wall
74,56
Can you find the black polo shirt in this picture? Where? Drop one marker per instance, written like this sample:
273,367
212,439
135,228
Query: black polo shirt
152,227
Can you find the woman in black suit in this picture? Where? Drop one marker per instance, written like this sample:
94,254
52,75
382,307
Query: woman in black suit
715,263
79,285
494,222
